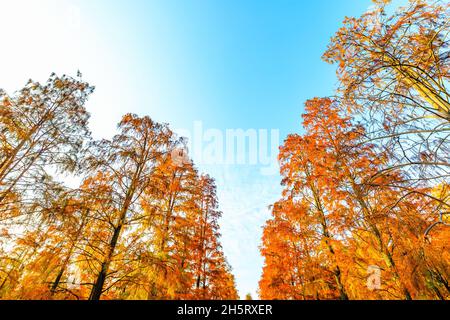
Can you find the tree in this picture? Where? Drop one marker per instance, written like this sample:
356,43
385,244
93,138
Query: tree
42,126
141,225
393,73
213,279
127,164
43,129
332,204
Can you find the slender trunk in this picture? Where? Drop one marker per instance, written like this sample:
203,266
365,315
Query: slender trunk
202,244
437,292
337,271
382,247
57,280
97,289
4,281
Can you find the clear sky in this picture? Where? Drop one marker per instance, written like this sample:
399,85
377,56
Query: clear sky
226,64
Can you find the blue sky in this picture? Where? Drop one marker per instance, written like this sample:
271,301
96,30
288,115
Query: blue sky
226,63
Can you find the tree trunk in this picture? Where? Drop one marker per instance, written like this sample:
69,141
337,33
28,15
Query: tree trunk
97,289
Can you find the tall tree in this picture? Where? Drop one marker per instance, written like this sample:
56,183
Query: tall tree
127,164
143,224
41,126
394,74
331,196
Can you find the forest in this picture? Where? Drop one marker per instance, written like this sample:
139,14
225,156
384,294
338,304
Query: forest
365,207
142,224
364,213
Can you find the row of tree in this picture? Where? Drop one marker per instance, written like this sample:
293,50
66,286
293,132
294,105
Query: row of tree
143,224
366,201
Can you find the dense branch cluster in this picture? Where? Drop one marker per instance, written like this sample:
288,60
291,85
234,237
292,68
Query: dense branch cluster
143,223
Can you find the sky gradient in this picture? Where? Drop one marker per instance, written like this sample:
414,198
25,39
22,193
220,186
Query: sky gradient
227,64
